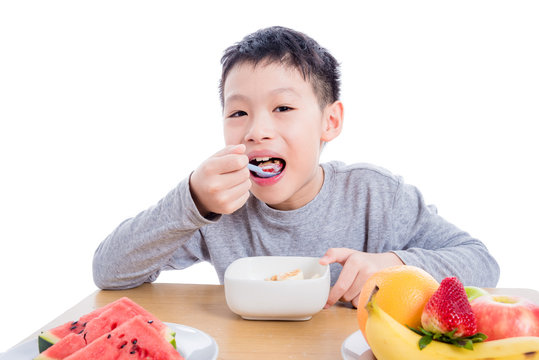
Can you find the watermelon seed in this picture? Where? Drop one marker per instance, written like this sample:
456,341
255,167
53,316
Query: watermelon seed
134,341
108,337
150,321
73,327
80,332
133,351
123,344
85,324
74,322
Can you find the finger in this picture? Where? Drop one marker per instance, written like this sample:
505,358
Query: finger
231,149
238,202
230,179
333,255
227,163
340,288
355,301
354,289
345,281
237,190
230,200
362,278
234,162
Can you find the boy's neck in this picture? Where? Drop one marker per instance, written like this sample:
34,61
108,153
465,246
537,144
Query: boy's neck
305,194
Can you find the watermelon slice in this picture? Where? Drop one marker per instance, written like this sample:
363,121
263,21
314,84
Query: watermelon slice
134,339
52,336
63,348
108,318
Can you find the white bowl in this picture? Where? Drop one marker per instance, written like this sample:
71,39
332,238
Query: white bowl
252,297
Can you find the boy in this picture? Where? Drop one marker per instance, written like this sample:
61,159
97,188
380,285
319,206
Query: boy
280,97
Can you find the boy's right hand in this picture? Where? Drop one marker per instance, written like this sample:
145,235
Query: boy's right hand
221,183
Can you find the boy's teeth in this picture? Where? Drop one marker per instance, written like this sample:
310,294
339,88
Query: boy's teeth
262,159
266,163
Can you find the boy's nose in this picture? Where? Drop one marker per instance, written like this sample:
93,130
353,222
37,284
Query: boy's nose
261,128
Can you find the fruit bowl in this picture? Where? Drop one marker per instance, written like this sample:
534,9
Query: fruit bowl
249,294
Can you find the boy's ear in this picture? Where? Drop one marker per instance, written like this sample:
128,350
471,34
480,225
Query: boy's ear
333,121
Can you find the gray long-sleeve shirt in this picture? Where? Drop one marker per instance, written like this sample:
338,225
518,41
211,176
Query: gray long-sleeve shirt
359,206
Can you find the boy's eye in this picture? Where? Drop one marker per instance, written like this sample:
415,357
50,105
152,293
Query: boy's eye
283,108
238,114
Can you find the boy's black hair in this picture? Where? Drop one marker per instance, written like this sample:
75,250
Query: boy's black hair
293,48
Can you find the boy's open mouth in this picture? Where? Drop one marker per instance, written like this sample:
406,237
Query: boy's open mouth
270,165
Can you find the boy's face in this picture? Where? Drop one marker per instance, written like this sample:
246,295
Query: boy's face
273,111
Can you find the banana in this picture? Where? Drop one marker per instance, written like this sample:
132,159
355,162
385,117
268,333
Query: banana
389,340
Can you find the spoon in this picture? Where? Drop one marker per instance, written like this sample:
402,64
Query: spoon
259,171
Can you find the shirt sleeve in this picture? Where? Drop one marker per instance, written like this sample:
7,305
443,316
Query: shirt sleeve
425,239
137,250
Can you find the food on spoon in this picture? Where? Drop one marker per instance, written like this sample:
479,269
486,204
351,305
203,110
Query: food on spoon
60,342
296,274
273,166
501,317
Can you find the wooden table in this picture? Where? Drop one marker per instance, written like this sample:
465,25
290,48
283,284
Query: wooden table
204,307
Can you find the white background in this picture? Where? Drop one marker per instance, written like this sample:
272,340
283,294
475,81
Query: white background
106,105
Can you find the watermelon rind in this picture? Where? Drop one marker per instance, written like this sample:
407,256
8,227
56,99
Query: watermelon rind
43,357
170,336
45,340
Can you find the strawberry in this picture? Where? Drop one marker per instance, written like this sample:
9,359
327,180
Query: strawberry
448,317
449,309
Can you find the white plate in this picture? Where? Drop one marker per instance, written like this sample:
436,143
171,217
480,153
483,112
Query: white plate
356,348
192,344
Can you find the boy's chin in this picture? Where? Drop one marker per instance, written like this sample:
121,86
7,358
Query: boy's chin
273,199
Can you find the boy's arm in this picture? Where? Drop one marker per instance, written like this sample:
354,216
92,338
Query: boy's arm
428,241
419,237
140,247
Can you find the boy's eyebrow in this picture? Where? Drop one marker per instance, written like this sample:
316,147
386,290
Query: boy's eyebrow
272,92
235,97
284,90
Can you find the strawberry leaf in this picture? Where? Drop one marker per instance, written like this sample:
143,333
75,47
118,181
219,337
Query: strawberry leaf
468,345
448,338
478,337
424,341
417,331
451,334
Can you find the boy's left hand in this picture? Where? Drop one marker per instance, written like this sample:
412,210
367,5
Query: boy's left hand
357,267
